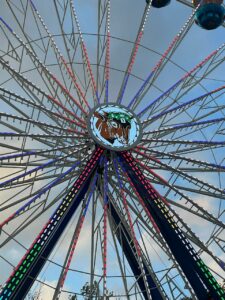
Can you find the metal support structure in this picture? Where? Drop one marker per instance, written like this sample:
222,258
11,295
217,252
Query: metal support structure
21,280
199,276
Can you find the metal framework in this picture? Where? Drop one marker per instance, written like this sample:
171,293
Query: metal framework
145,223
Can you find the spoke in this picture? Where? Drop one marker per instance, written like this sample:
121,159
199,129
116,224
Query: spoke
163,212
196,209
61,58
39,124
40,167
40,193
105,228
107,58
32,218
184,142
188,81
13,134
206,166
47,77
74,241
162,62
29,86
134,53
15,100
85,54
184,106
137,247
56,218
190,125
35,153
155,234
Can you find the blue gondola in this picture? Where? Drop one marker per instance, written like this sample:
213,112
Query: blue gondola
210,15
158,3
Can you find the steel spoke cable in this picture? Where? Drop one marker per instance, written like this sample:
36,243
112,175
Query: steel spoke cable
27,206
192,161
147,271
40,193
188,75
41,136
107,58
143,205
23,226
139,226
16,178
11,198
185,149
76,237
140,216
52,136
178,127
43,203
134,52
36,192
69,39
105,227
184,105
24,136
131,225
186,176
193,126
42,69
29,152
183,142
110,198
34,170
12,97
166,212
178,189
163,182
62,59
34,164
27,127
47,175
194,239
45,139
122,272
163,60
180,95
85,53
215,108
191,149
38,123
102,15
25,83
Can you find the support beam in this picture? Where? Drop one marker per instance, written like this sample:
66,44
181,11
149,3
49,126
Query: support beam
197,273
22,278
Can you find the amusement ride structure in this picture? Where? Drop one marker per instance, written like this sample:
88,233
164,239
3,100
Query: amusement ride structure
110,178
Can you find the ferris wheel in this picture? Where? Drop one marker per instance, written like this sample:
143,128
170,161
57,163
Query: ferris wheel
112,150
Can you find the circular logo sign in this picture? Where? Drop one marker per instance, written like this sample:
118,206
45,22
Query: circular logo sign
114,127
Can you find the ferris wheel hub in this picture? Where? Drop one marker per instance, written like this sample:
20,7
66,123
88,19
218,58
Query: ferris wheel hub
114,127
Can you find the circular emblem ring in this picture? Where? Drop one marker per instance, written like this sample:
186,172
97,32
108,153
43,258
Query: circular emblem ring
114,127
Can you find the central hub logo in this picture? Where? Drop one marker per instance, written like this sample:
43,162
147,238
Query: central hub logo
114,127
